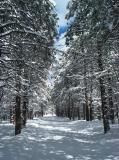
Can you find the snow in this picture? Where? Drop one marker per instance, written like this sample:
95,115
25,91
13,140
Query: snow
53,2
52,138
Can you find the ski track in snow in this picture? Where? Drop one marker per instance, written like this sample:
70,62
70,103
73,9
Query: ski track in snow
52,138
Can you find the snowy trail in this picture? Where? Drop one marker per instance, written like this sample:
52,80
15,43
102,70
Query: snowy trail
52,138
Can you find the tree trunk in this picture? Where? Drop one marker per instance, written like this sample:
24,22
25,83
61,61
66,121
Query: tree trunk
24,113
11,115
103,92
84,111
86,96
73,110
18,115
91,93
18,99
111,105
117,112
78,113
69,113
85,85
69,107
42,110
91,111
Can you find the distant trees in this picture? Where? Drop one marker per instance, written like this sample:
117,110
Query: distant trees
88,87
27,31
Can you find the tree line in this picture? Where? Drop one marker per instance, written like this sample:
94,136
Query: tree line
87,86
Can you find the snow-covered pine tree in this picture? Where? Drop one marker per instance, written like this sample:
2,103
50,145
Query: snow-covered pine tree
29,31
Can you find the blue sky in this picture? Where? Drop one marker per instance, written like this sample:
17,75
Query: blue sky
60,8
61,11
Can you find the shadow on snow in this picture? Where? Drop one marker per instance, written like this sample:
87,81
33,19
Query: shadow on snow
52,138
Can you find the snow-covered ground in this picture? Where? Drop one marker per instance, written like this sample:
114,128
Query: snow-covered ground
52,138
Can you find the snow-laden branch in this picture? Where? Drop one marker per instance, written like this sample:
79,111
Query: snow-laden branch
38,34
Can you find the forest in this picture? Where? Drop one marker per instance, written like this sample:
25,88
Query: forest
27,32
88,85
77,85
